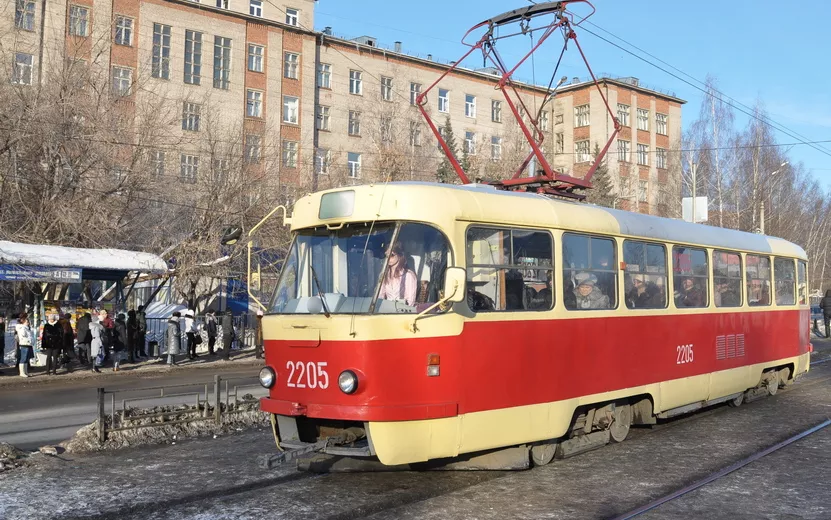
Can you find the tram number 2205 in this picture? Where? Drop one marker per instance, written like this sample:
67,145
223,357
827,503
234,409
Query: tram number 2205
685,354
307,375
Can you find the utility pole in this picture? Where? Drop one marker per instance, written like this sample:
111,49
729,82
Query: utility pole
693,192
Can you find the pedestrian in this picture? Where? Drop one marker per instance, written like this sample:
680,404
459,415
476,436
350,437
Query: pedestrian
52,343
68,341
174,339
132,335
97,348
141,318
825,305
107,336
227,334
119,338
258,352
190,333
23,337
82,329
210,326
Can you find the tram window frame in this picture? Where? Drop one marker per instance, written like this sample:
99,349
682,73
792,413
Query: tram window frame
752,275
571,273
645,264
727,277
479,302
802,282
678,276
784,261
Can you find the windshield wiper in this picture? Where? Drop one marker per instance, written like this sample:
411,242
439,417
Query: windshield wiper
319,291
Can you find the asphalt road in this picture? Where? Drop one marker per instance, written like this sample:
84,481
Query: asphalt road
48,413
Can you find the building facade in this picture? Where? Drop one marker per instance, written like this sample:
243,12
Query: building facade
249,85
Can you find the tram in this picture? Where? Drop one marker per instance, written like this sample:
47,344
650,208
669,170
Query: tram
418,321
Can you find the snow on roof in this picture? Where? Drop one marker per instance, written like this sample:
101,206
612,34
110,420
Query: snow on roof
58,256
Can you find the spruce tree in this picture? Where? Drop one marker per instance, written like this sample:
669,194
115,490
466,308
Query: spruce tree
601,193
446,173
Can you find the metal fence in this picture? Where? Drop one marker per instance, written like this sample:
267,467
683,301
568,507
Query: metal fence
207,401
245,331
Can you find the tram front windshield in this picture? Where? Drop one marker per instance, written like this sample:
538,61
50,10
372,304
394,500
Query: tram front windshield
363,268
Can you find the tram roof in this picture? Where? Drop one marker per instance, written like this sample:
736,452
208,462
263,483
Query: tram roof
443,203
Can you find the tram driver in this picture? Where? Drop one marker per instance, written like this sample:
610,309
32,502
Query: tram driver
399,282
587,295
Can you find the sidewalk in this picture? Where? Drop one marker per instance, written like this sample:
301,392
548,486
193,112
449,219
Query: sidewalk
37,375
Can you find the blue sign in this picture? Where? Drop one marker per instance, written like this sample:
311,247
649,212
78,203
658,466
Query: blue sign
22,273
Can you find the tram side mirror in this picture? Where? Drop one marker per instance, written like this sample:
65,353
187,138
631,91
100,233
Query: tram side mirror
454,284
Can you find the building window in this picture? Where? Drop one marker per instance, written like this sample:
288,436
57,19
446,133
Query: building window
661,158
354,122
161,51
415,90
470,105
324,75
643,191
354,164
643,119
23,67
222,4
292,16
256,53
290,65
189,168
623,114
289,154
222,62
222,170
78,21
323,113
643,154
123,31
157,159
323,158
558,119
255,8
193,57
559,143
661,124
581,116
356,84
386,129
415,133
386,88
291,109
496,111
254,103
544,121
581,152
624,151
496,148
444,100
122,79
252,149
24,15
470,143
191,116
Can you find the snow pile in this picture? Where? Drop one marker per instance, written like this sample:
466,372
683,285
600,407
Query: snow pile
15,253
10,457
246,414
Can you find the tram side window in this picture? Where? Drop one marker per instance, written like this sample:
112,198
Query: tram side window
690,274
589,275
758,280
802,282
727,279
784,278
646,275
509,269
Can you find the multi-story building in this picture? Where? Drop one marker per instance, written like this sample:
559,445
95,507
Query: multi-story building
248,82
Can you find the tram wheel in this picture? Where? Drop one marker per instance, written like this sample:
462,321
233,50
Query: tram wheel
621,422
738,401
772,383
784,377
542,454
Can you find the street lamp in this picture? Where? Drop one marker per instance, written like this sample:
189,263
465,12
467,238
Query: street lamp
762,206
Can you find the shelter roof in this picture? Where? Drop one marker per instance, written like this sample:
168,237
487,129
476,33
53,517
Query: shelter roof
19,254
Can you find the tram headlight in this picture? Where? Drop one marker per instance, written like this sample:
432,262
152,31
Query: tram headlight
348,382
267,377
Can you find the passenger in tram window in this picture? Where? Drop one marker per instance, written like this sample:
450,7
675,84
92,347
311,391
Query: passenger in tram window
569,298
725,296
588,295
764,298
514,288
645,294
690,295
478,301
399,282
605,280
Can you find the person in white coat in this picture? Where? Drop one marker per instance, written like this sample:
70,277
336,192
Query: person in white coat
96,330
24,340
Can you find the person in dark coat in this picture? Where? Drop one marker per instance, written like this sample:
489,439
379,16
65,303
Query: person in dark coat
52,343
68,343
227,334
644,294
107,338
173,338
825,305
258,339
210,326
119,340
132,335
84,338
141,343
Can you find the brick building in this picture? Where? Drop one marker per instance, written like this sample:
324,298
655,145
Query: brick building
251,77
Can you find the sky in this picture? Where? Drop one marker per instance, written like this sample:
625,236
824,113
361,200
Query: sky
763,50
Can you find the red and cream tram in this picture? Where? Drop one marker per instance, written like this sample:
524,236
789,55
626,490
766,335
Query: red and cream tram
421,321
